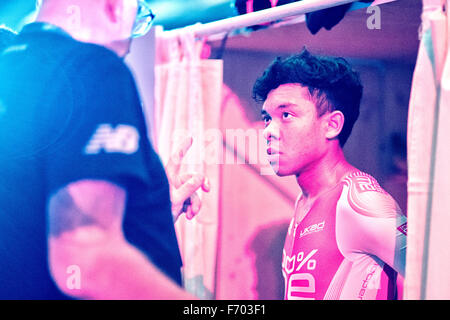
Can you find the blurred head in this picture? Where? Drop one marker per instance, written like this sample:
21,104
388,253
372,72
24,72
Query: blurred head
111,23
310,105
6,36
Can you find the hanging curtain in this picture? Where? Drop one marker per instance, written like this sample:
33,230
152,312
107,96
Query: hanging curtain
187,102
428,254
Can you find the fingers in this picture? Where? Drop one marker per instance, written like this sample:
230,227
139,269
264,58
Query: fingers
186,205
184,187
195,206
192,204
192,184
191,207
182,179
206,186
174,163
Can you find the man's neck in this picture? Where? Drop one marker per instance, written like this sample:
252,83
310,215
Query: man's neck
84,33
324,174
71,26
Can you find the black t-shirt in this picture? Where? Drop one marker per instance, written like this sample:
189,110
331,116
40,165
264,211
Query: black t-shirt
70,111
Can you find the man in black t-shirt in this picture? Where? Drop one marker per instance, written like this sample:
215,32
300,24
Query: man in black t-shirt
85,205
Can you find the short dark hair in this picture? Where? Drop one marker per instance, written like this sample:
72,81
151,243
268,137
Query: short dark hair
331,82
6,37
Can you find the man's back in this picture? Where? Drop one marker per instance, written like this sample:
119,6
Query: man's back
22,194
70,111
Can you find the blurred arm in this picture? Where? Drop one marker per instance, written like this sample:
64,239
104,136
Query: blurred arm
85,230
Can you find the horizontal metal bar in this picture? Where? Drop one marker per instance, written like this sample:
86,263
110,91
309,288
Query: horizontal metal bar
261,17
258,17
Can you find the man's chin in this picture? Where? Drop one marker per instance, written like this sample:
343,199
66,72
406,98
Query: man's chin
280,171
120,47
282,174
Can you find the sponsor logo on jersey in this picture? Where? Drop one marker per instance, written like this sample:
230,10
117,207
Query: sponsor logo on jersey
121,139
403,228
368,184
364,182
317,227
371,280
298,261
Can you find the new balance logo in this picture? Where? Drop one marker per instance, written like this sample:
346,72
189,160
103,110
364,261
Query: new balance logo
122,139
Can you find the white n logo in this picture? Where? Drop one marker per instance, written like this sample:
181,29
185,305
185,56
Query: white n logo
122,139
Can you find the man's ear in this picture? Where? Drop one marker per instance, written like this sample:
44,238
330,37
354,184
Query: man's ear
113,9
334,124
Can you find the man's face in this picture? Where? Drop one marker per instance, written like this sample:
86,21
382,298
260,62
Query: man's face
295,135
121,23
142,18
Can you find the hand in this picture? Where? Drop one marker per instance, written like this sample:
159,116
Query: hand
183,187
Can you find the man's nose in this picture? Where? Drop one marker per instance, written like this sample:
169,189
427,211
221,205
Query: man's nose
271,131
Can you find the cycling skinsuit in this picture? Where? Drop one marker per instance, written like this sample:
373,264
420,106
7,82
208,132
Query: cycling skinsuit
350,245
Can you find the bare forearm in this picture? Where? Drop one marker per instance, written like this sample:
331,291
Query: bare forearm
115,271
85,237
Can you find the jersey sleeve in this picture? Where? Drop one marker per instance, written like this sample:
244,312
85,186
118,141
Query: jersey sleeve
371,222
96,127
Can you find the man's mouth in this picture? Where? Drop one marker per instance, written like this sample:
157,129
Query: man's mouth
273,155
272,151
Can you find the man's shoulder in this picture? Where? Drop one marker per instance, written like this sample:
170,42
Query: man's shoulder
91,58
98,55
63,51
366,197
363,182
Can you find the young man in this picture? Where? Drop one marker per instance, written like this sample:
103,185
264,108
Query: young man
85,208
347,239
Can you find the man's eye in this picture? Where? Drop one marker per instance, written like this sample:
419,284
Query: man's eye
286,115
266,119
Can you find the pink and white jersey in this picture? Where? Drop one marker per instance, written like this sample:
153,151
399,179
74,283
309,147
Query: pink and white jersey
350,245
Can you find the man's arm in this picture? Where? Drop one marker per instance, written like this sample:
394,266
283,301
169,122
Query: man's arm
378,226
85,231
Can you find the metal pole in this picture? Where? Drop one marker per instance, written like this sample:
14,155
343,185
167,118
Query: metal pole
258,17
